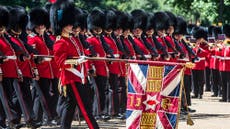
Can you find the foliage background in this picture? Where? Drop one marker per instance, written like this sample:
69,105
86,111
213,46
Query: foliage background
206,12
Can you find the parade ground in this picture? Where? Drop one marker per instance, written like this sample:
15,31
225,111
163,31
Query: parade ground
210,114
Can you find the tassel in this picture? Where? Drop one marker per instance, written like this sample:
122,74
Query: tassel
189,120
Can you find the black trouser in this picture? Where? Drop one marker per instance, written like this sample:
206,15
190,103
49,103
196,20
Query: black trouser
11,95
225,75
187,88
198,81
207,79
216,81
123,94
2,115
44,84
27,97
69,105
113,81
101,82
54,97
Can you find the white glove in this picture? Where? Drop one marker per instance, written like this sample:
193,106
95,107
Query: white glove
81,60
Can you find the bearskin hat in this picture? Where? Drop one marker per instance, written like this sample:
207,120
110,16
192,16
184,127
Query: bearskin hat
96,19
83,19
160,21
139,19
4,16
226,30
200,33
150,21
78,15
62,14
181,26
172,19
38,16
210,30
18,18
111,19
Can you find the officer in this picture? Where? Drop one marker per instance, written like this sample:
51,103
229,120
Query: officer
72,73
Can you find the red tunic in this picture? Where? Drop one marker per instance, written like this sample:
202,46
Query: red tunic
142,47
65,48
114,67
202,53
100,66
226,58
9,67
24,66
44,68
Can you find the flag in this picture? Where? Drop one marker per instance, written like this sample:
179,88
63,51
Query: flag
153,96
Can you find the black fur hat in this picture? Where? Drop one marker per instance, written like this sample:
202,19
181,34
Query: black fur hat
226,30
83,19
172,19
160,21
4,16
200,33
96,19
216,30
111,20
18,18
121,19
150,21
181,26
62,14
139,19
78,16
38,16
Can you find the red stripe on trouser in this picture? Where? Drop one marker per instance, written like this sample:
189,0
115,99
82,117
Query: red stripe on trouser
81,106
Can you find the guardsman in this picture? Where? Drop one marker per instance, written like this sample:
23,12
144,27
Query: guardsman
72,71
95,24
140,21
39,40
10,75
225,60
160,24
201,50
114,67
189,55
18,22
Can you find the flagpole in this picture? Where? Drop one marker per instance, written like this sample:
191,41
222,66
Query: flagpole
181,88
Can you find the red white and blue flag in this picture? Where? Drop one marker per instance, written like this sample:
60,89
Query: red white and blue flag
153,96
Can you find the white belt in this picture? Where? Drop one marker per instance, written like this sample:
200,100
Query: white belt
47,59
185,59
225,58
116,55
77,73
11,57
146,56
202,58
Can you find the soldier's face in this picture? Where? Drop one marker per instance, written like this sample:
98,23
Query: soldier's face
68,29
149,32
137,32
178,36
161,33
40,29
108,31
2,30
170,30
97,31
77,30
118,31
126,33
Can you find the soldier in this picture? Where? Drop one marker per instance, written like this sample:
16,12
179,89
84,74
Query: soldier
201,50
39,21
225,72
140,21
180,31
10,76
18,22
95,24
160,23
73,75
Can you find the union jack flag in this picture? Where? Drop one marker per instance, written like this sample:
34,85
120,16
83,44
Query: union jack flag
153,96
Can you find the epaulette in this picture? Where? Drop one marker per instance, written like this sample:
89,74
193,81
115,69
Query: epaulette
32,35
58,38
